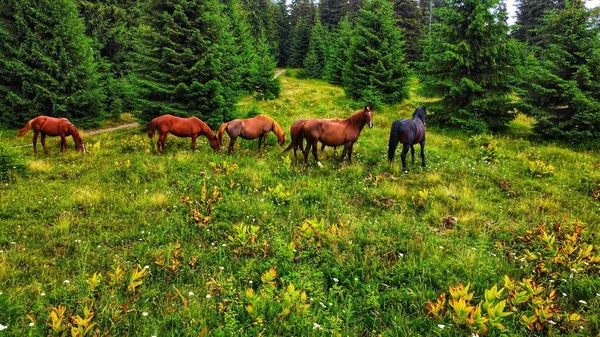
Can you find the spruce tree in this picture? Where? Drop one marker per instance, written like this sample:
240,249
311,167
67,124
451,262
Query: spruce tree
562,88
354,6
314,63
469,62
337,55
332,12
282,23
375,71
243,37
300,41
46,63
265,85
409,18
188,63
530,15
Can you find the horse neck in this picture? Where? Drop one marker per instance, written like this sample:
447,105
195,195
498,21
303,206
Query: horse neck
357,120
276,129
75,134
206,131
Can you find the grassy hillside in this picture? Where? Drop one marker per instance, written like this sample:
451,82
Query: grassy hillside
255,244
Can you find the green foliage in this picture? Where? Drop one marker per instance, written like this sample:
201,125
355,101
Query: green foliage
265,85
313,65
301,26
46,63
176,68
530,16
469,61
375,72
410,20
135,143
488,147
561,88
338,52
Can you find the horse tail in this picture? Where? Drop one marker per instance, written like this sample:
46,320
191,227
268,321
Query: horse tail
394,139
25,129
151,127
289,147
220,133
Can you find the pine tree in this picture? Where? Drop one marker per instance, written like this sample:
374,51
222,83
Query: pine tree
281,19
354,6
332,12
530,14
46,63
376,71
265,85
188,63
302,19
246,43
562,89
337,55
314,63
409,18
425,6
469,62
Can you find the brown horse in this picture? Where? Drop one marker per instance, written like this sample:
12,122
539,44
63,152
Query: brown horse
50,126
181,127
251,128
335,133
297,138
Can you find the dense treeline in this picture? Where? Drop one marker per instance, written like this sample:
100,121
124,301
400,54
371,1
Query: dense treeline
93,59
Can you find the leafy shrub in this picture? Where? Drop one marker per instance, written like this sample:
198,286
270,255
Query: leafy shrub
540,169
488,147
11,164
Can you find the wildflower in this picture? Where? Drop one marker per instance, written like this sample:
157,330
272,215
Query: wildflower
42,294
317,326
191,293
208,296
144,314
356,279
146,267
323,305
441,247
582,302
564,294
222,268
474,335
31,324
473,248
224,245
335,280
400,255
2,327
552,322
250,282
66,281
441,326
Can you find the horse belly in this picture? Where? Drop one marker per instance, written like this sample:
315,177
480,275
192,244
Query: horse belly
332,136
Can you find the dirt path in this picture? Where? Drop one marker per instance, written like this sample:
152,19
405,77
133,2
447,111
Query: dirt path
124,126
279,73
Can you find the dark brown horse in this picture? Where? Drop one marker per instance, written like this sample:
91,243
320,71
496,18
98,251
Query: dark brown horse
50,126
181,127
409,132
251,128
297,138
335,133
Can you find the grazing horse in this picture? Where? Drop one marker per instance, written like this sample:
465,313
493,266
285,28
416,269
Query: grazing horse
297,138
409,132
335,133
181,127
251,128
50,126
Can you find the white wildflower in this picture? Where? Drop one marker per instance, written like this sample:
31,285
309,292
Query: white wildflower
317,326
582,302
42,294
335,280
191,293
144,314
208,296
441,326
66,281
2,327
31,324
552,322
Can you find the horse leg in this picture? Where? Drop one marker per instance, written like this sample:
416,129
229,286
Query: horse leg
305,152
423,153
315,146
322,147
35,136
260,138
231,144
194,142
350,153
63,143
265,138
43,140
160,143
403,155
346,148
412,152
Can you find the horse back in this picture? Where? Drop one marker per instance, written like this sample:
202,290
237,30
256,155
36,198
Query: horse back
328,132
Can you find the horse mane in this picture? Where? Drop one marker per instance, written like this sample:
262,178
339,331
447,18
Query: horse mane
75,134
278,131
419,112
357,118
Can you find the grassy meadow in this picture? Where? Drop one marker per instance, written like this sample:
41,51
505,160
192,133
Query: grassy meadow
123,242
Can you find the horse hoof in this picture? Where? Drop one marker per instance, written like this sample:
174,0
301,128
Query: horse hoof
319,164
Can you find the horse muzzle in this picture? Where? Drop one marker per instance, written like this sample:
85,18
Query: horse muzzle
370,124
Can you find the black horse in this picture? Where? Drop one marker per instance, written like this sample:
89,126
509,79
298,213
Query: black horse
409,132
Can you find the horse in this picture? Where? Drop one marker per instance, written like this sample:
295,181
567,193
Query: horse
409,132
181,127
335,133
297,138
251,128
50,126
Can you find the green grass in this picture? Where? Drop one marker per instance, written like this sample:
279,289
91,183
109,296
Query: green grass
378,232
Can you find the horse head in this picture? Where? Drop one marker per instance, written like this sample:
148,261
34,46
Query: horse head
79,144
214,143
420,113
279,133
368,116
